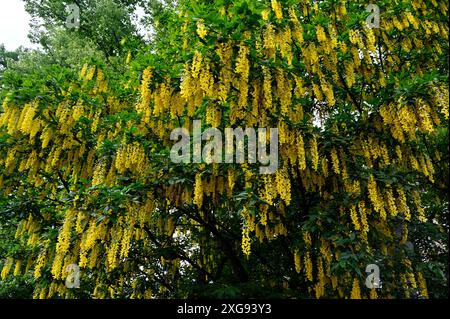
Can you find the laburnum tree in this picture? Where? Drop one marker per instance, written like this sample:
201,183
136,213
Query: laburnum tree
362,112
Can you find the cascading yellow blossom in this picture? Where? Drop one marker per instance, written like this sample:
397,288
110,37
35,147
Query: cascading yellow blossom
354,217
314,153
246,241
283,185
308,266
335,161
297,261
276,7
198,190
144,105
301,152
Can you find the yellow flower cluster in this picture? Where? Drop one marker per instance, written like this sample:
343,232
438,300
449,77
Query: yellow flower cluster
242,63
354,217
297,30
402,204
422,285
328,91
83,71
301,152
46,137
27,119
78,111
58,263
354,36
263,214
39,264
374,197
325,251
112,252
283,91
101,86
198,190
283,185
423,112
307,238
185,85
201,29
268,192
126,240
349,74
335,161
442,99
94,232
64,235
246,248
132,157
265,14
90,73
6,267
162,97
284,44
404,234
420,211
363,215
144,105
243,69
407,121
17,268
269,41
99,173
196,64
206,81
297,261
231,179
314,154
267,88
308,267
320,33
276,7
93,258
356,290
320,285
390,201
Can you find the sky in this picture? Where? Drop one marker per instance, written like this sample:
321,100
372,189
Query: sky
14,22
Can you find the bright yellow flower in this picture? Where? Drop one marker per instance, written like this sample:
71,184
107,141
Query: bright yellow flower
198,190
356,290
201,29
